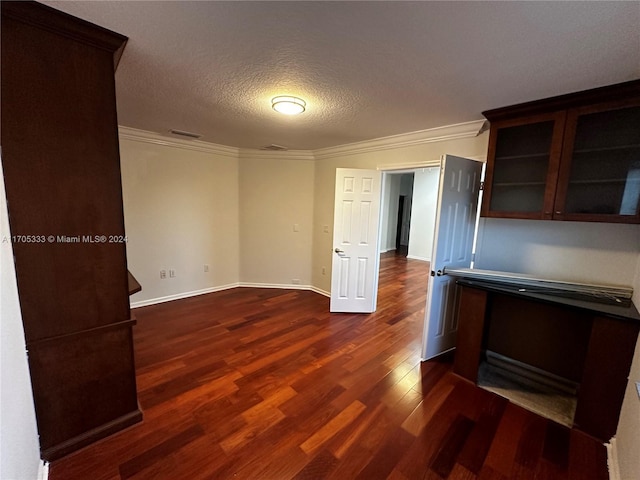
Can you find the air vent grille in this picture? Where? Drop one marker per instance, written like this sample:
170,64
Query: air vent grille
185,134
274,147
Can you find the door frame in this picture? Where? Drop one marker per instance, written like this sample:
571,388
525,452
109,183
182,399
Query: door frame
412,168
397,170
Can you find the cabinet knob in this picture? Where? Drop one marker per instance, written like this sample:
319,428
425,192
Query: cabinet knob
547,213
558,212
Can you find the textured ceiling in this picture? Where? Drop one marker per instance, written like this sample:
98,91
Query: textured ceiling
366,69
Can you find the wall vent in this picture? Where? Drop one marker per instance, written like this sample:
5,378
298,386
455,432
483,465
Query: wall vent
185,134
275,148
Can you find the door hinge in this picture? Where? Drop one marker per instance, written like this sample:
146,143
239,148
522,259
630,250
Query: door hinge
481,185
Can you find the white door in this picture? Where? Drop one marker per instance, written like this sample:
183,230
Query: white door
354,274
452,247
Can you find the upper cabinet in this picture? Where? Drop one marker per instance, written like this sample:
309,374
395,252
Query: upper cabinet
574,157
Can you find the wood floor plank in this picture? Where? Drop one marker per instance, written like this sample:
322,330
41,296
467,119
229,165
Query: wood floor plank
451,446
335,425
268,384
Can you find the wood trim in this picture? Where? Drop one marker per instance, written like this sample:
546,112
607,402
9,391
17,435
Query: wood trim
133,284
90,331
93,435
626,90
60,23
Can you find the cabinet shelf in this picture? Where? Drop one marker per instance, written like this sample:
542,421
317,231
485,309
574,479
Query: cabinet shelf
598,181
519,184
608,149
528,156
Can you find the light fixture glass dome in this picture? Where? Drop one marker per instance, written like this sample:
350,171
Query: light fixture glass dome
288,105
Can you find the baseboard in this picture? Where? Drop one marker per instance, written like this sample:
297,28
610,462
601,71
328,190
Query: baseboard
76,443
43,470
178,296
612,459
422,259
320,291
285,286
204,291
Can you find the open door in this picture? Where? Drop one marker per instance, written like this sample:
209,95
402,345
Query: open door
452,247
354,274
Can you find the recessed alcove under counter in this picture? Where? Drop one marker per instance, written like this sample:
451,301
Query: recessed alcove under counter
558,352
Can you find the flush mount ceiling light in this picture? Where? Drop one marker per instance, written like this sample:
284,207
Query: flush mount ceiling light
288,105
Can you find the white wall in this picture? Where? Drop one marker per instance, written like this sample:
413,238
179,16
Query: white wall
601,253
389,221
19,444
276,195
181,211
627,439
402,156
423,213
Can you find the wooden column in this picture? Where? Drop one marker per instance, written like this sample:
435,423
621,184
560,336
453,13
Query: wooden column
605,376
471,318
61,164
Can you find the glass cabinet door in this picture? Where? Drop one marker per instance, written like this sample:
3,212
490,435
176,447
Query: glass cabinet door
600,171
522,155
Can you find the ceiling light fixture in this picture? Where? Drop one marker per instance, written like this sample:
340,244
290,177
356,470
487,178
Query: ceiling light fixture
288,105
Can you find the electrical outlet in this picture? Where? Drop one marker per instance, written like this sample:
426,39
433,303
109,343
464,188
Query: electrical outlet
163,274
296,281
172,273
206,268
324,270
296,227
325,228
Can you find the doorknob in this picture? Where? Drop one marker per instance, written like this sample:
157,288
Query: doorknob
338,251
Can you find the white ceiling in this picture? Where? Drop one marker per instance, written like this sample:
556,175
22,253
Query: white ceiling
366,69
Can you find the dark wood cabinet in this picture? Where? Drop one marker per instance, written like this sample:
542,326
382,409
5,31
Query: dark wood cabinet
61,164
574,157
586,344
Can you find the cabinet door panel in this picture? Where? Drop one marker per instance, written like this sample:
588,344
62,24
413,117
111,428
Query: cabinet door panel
522,168
600,170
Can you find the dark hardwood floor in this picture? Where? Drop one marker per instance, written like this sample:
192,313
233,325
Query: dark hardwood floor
266,384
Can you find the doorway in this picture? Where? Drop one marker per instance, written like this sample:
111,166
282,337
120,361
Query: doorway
409,201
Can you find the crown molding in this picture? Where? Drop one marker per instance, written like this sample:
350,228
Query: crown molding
439,134
251,154
143,136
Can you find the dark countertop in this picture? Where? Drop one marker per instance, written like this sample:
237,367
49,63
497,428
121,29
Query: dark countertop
621,311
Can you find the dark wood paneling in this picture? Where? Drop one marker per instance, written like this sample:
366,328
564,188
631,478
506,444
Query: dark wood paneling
606,371
471,319
94,387
539,334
